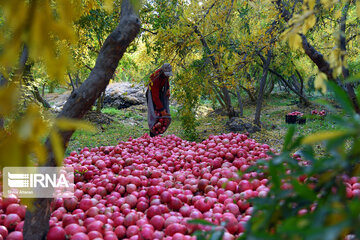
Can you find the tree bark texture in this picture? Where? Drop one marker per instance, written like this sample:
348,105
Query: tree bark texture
241,106
262,86
317,58
81,100
345,71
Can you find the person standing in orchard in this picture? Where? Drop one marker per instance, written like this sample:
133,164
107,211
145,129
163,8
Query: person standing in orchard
157,95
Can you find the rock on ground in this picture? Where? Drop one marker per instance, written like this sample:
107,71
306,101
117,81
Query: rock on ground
117,95
235,124
124,95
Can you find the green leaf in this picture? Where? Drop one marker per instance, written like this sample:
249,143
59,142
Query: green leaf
202,222
217,235
289,135
303,191
322,136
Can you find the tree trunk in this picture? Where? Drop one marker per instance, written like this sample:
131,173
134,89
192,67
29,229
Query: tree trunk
241,106
345,70
43,90
71,82
80,101
317,58
229,108
301,87
77,80
99,102
262,86
38,97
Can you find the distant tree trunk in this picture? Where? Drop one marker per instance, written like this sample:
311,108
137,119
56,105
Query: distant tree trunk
77,80
301,86
229,108
28,79
345,70
218,95
43,90
80,101
71,82
241,106
262,86
100,102
291,88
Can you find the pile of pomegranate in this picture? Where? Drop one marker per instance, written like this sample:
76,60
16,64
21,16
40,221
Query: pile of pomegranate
318,113
148,188
161,125
295,113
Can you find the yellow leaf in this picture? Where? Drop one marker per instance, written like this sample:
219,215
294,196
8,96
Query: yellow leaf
57,146
28,202
136,4
309,23
295,41
8,98
67,124
338,13
221,49
108,5
322,136
40,152
319,82
312,4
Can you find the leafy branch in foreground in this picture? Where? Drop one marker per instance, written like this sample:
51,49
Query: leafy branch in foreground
319,204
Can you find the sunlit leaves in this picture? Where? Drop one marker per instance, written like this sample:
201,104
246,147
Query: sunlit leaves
295,41
320,82
46,27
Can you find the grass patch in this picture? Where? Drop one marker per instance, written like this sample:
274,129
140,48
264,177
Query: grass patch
123,113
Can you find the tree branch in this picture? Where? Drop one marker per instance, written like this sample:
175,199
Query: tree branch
317,58
301,96
147,30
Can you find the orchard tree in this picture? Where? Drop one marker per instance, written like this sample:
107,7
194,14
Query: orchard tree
26,29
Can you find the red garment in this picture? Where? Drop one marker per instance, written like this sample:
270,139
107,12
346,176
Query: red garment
157,81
